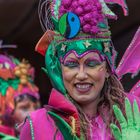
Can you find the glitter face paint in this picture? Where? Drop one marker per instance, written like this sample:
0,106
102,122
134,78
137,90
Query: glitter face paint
102,58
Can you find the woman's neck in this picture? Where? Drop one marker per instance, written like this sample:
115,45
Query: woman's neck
90,109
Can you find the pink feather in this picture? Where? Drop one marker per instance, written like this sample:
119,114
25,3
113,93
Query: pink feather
130,62
136,89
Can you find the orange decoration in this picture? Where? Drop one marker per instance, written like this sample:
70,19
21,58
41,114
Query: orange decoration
44,42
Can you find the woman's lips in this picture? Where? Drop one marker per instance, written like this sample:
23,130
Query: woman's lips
83,87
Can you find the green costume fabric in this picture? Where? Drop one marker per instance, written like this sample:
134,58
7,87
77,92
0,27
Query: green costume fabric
7,137
63,127
53,69
81,46
4,84
130,127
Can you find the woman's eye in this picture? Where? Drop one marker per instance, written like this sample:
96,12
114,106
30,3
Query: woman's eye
24,108
71,64
93,63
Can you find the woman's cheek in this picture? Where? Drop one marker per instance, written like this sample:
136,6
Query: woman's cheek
68,74
97,75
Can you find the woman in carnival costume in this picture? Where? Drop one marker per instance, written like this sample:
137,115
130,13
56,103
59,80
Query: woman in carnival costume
80,61
16,86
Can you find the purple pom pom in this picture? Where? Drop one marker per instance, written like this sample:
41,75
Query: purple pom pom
79,10
87,17
88,8
74,5
93,22
94,29
62,10
82,21
87,28
66,3
99,7
83,2
94,8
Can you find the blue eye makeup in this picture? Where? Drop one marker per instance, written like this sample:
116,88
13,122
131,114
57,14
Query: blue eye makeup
92,63
71,64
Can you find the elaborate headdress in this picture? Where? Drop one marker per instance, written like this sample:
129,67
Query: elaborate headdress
16,78
75,26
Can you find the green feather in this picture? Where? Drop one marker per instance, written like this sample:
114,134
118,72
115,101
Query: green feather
56,8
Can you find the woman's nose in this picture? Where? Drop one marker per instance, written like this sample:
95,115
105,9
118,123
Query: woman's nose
81,74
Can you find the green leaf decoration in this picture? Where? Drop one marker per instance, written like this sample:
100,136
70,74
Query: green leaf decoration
4,84
7,137
53,68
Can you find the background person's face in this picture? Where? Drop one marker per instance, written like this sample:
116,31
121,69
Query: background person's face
23,108
84,78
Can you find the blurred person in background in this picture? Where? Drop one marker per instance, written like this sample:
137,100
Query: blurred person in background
18,94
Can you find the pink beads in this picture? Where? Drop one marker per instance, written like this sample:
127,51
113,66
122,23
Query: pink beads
82,2
87,28
79,11
66,3
89,12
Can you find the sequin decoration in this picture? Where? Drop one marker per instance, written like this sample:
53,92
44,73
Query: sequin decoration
106,47
87,43
69,25
63,48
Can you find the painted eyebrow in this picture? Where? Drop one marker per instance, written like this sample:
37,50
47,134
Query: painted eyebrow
93,59
70,59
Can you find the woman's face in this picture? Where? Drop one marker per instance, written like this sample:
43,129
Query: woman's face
84,78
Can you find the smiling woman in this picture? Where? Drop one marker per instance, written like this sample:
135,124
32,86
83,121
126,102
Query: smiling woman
84,78
80,61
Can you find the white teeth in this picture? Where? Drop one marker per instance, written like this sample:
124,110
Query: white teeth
83,86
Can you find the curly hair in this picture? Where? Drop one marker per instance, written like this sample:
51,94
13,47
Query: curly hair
112,93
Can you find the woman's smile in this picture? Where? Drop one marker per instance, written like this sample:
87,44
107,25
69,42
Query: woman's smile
83,87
